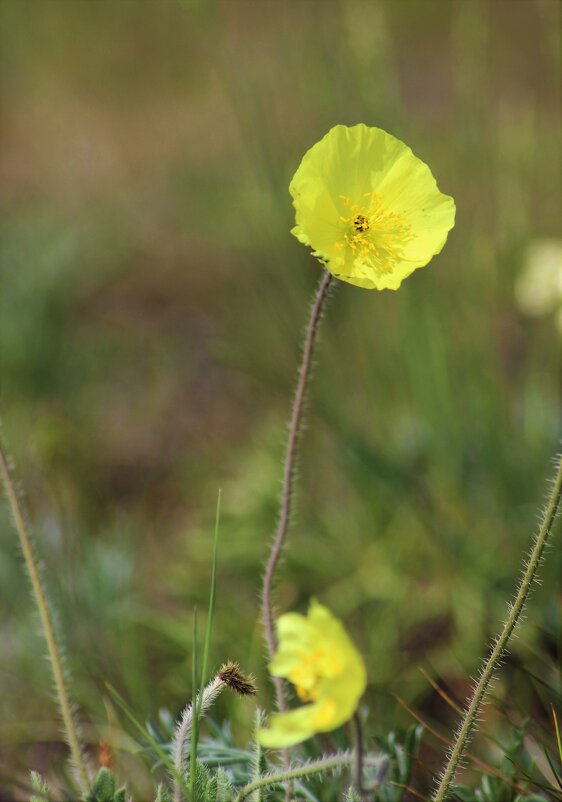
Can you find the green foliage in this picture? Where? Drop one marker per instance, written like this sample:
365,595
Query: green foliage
259,761
225,789
211,785
517,767
105,788
492,789
41,792
162,794
200,784
401,758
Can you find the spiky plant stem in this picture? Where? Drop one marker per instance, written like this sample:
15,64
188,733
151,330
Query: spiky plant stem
65,708
289,472
499,646
287,494
277,778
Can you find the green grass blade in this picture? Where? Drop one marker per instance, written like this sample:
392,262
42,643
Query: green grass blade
195,707
144,732
558,739
212,598
198,697
553,769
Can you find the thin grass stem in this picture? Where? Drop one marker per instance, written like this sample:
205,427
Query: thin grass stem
212,597
359,757
228,676
190,719
184,731
144,732
196,704
528,576
557,730
40,597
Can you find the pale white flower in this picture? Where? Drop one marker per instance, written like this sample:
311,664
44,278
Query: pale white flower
538,289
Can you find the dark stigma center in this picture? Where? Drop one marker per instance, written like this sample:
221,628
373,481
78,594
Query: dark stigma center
361,223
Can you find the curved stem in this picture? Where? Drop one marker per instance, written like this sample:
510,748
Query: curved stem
289,472
65,707
500,644
183,735
324,764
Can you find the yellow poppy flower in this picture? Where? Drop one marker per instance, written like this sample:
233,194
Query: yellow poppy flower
370,210
316,654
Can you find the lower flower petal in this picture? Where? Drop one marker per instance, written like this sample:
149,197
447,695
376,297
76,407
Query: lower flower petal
287,729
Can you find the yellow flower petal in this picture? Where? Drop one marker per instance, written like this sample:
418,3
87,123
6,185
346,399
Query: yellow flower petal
370,210
316,654
287,729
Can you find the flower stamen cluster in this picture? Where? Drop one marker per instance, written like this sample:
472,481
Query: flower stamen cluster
373,231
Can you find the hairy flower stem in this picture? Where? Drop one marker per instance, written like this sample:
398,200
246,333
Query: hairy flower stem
288,481
45,616
314,767
499,646
289,472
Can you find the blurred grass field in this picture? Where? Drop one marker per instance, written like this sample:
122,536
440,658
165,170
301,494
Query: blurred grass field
152,303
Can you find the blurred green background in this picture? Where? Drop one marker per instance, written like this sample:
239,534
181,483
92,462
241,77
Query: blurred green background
152,303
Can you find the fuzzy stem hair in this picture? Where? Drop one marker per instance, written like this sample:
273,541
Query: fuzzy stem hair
47,623
499,645
229,676
288,482
184,728
289,471
305,770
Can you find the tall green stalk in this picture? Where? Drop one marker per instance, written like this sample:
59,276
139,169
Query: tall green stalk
195,707
40,597
499,646
198,697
